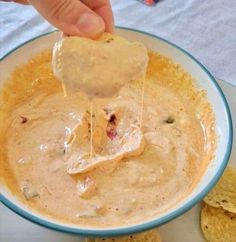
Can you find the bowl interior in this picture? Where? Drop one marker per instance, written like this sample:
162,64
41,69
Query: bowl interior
203,80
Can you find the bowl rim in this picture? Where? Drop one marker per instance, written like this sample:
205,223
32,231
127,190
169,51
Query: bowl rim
90,232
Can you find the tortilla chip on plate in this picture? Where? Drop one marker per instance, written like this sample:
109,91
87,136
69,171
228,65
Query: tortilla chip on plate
224,193
218,225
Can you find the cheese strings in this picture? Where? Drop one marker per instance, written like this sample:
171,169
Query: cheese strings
143,80
91,122
91,128
142,99
64,90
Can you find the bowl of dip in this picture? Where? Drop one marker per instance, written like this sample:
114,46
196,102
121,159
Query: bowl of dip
188,131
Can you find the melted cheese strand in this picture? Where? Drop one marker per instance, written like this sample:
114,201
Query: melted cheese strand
91,128
142,100
64,90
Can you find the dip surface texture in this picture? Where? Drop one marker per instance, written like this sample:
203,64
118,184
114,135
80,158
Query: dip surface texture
39,124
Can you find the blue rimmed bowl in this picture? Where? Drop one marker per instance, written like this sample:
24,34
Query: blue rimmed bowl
204,80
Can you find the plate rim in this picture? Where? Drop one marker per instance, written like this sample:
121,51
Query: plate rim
93,232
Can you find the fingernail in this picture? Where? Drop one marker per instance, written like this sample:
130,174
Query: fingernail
90,24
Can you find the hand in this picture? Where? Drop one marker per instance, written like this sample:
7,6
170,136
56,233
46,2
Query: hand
88,18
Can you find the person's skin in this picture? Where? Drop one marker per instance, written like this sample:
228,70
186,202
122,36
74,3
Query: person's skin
87,18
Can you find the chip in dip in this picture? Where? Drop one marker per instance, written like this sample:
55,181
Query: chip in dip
98,67
115,136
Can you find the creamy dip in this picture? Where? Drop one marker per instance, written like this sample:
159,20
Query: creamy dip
39,164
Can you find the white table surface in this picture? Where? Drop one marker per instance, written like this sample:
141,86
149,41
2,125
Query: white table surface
186,228
207,29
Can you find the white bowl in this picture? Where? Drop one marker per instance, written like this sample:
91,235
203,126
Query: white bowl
204,80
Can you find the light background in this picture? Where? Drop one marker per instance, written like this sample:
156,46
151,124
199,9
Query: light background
207,29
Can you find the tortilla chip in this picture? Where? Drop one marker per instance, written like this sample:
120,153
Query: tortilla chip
149,236
98,67
218,225
224,193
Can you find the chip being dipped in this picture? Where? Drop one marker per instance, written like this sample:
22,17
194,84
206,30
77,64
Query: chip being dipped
98,67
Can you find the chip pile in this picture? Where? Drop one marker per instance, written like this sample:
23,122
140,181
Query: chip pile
218,216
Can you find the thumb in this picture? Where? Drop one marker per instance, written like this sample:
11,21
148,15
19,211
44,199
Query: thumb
71,16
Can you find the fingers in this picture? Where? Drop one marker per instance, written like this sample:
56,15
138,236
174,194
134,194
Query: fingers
76,18
71,16
103,9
